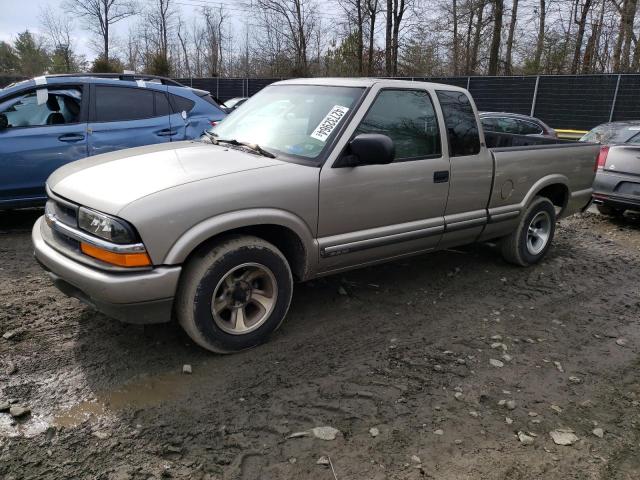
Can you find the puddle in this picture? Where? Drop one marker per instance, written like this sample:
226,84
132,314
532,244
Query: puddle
144,392
140,393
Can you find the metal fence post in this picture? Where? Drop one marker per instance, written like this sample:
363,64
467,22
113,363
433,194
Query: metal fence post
535,96
468,82
217,87
615,98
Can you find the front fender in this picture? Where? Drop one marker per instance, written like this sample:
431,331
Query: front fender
219,224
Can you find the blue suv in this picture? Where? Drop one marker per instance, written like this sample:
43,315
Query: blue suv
49,121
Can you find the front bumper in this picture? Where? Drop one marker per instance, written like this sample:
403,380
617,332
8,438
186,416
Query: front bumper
134,297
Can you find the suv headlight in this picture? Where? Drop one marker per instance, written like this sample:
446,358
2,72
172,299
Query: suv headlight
106,227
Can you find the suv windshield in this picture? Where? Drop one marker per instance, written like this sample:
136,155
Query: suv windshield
296,120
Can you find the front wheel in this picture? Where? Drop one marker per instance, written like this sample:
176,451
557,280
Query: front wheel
531,240
235,294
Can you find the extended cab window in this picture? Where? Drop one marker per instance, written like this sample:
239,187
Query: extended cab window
408,118
115,104
53,106
460,121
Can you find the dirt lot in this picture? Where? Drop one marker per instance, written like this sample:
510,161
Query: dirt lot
410,351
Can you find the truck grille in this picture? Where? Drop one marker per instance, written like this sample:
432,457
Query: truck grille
67,214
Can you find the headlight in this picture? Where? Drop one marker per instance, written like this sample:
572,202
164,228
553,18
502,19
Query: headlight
106,227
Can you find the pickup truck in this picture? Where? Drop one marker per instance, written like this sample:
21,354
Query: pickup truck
308,178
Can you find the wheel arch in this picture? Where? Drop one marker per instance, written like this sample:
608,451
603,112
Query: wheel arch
289,233
553,187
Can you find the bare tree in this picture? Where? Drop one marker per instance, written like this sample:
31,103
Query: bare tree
584,12
298,19
395,12
373,9
183,45
473,62
57,30
160,18
99,15
355,11
542,13
494,50
510,38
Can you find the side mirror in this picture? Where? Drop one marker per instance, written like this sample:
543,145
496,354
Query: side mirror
4,123
369,149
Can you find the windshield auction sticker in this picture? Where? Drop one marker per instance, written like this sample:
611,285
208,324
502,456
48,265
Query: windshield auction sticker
329,122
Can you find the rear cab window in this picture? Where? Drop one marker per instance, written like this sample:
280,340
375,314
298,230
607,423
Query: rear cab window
460,122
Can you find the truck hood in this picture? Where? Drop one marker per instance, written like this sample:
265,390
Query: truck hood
110,181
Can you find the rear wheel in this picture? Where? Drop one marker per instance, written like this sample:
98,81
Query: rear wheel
531,240
235,294
610,211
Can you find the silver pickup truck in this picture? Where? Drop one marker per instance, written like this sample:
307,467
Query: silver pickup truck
307,178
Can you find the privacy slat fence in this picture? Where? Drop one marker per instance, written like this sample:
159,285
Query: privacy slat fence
563,101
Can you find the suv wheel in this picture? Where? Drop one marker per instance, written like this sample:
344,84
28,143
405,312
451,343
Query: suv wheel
234,295
532,238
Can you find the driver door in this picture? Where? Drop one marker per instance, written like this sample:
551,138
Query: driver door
374,212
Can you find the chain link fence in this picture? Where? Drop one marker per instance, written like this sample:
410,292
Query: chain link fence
563,101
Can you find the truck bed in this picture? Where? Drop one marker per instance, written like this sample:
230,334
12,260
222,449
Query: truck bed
521,162
507,140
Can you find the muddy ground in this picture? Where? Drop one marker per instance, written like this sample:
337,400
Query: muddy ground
406,351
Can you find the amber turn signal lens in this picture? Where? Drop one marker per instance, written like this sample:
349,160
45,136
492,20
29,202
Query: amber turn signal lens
119,259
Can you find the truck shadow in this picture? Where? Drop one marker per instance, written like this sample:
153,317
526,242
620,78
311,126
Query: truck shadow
342,322
17,221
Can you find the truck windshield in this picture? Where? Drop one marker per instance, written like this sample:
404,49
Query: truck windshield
290,120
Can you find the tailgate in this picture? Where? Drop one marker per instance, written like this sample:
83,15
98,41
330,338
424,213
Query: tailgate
623,159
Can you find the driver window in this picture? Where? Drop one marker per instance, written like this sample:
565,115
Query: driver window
60,106
409,119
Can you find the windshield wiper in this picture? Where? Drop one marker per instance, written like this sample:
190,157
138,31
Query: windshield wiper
254,147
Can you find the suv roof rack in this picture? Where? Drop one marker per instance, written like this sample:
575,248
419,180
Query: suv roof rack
132,77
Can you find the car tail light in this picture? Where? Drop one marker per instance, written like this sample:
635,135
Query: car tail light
602,158
213,123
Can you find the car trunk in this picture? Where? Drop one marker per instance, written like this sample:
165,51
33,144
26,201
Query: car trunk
623,159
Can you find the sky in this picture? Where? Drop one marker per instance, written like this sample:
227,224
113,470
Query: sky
19,15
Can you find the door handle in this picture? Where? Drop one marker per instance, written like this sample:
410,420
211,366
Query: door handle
166,132
441,176
71,137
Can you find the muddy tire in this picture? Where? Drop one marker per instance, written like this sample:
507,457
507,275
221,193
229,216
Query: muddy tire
234,294
610,211
531,240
